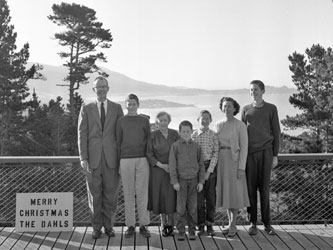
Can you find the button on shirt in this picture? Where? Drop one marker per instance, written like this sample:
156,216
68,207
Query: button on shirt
186,161
209,144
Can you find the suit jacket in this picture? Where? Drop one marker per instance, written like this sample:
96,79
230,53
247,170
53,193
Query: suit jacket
92,141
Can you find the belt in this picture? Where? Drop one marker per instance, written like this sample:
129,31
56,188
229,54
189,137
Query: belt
225,147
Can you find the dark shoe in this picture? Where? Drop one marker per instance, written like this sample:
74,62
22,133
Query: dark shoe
109,232
170,230
270,230
130,232
201,230
96,234
191,235
165,232
253,230
210,231
144,231
225,230
181,236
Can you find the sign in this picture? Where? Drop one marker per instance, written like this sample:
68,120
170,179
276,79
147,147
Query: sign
44,212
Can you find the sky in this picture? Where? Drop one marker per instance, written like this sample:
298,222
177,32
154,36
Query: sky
209,44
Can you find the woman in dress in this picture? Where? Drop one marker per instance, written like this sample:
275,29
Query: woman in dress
162,196
231,180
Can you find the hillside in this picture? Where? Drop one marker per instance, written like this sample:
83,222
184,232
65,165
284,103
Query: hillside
121,85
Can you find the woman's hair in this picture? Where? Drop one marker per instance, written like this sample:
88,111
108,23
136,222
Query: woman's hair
229,99
163,113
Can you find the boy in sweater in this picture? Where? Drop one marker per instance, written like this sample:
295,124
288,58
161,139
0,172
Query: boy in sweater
133,136
187,173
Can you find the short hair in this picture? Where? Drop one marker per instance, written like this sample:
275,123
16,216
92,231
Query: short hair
98,78
259,83
229,99
132,97
163,113
184,124
205,112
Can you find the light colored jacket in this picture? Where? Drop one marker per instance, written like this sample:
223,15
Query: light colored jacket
92,141
238,143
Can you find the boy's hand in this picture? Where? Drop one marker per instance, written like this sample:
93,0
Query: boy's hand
240,173
200,187
207,175
176,186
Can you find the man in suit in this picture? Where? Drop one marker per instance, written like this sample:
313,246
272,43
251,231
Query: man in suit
98,156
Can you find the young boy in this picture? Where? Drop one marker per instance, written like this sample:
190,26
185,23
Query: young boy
208,141
133,135
187,174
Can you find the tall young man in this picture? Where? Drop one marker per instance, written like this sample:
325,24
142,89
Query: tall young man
263,129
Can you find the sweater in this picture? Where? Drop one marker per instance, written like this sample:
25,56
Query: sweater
263,127
133,135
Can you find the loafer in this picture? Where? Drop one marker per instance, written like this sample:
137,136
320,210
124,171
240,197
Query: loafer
96,234
170,230
191,235
130,232
165,232
201,230
210,231
144,231
110,232
253,230
181,236
270,230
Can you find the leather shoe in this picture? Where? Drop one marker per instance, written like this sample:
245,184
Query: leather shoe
130,232
210,231
191,235
253,230
96,234
110,232
270,230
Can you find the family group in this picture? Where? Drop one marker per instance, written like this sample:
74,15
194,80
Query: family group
185,175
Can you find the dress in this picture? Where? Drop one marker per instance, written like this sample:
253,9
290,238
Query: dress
162,196
230,191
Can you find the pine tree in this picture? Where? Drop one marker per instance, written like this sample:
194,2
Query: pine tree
13,83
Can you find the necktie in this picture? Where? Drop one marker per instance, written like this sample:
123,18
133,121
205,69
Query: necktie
102,115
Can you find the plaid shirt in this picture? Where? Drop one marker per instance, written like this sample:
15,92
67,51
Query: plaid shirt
209,144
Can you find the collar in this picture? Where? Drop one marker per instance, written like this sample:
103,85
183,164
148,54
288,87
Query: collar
258,106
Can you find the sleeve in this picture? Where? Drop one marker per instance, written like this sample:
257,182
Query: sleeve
215,154
201,166
83,133
243,145
243,118
119,136
275,125
173,164
150,152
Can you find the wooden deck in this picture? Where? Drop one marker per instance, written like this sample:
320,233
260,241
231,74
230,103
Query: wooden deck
288,237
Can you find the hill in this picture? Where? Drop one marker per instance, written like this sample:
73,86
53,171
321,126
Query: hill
121,85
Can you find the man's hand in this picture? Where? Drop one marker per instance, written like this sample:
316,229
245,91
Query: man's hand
240,173
200,187
176,186
85,166
207,175
275,161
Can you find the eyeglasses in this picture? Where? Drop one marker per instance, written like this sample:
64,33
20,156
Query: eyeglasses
101,87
